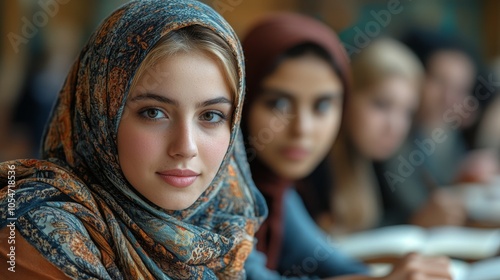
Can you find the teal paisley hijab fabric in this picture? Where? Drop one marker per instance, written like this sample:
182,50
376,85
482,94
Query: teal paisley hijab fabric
75,206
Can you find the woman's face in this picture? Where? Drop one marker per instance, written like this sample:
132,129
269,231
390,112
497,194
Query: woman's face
293,122
450,79
378,118
175,131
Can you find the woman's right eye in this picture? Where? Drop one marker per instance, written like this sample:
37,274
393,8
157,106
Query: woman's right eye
152,114
381,104
281,104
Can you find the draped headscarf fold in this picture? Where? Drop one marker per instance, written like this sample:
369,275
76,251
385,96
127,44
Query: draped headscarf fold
76,207
264,46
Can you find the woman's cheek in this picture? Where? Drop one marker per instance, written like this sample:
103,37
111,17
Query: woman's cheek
139,145
264,125
213,150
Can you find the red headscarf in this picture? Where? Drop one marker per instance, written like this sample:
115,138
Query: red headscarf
269,39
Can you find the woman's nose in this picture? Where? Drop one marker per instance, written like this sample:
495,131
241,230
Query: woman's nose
182,142
302,123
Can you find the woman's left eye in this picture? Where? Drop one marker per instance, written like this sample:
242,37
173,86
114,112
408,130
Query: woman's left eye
322,106
213,117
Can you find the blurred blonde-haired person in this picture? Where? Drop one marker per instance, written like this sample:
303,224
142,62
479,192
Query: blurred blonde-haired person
377,118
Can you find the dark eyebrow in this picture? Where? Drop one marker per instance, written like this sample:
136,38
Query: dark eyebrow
330,95
281,93
214,101
156,97
163,99
277,93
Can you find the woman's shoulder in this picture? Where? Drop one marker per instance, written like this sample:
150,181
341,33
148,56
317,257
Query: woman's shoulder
57,235
52,210
20,260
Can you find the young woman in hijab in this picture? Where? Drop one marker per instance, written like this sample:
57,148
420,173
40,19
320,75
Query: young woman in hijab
144,174
297,75
378,113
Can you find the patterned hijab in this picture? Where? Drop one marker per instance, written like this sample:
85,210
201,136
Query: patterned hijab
75,206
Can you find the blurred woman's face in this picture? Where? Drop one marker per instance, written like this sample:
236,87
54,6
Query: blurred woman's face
450,78
378,118
293,122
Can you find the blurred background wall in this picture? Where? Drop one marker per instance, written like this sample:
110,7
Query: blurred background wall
41,38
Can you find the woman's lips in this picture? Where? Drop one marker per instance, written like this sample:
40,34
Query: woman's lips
179,178
295,153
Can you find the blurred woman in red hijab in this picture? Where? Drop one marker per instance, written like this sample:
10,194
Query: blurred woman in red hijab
297,75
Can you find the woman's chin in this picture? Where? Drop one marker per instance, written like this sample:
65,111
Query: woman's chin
382,154
293,173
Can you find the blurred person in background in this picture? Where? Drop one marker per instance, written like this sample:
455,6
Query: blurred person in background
487,135
297,76
378,114
46,73
41,41
13,64
435,154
